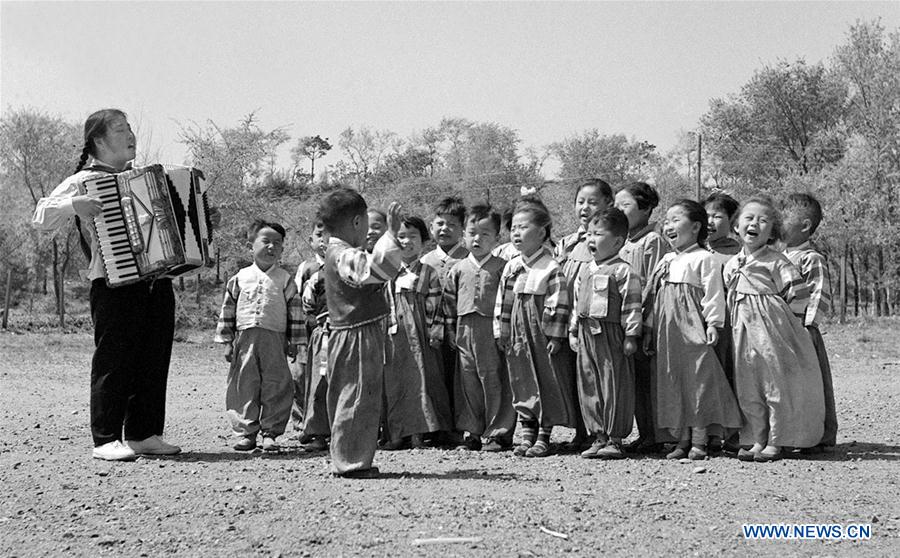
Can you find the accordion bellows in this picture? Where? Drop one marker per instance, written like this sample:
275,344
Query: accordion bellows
154,222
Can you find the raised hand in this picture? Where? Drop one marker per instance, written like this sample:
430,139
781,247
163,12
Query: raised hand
393,218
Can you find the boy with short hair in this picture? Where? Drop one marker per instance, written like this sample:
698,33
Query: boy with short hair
484,411
318,242
358,320
802,215
446,229
260,321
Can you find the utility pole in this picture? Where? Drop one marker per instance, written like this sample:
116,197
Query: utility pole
699,158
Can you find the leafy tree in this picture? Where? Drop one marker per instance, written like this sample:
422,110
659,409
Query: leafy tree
611,157
312,148
786,120
366,150
236,163
37,151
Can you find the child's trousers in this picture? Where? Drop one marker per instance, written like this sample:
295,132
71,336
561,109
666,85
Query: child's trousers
260,388
356,362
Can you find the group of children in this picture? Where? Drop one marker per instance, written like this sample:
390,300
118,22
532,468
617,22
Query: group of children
700,330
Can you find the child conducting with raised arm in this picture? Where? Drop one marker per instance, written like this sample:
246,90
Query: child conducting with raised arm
802,216
358,321
261,321
604,330
484,411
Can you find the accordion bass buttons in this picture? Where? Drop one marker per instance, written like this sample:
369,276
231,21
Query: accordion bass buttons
132,227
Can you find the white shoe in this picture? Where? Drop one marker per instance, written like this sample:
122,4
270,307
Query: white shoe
114,451
154,445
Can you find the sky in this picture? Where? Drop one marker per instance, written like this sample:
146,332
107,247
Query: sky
548,70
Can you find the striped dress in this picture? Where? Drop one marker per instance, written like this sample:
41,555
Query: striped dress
415,394
776,373
532,307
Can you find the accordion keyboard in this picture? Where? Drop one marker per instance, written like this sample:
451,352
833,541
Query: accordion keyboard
112,231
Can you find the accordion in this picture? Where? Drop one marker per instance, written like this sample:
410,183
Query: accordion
154,222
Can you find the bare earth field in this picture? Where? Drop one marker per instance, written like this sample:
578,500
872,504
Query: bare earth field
211,501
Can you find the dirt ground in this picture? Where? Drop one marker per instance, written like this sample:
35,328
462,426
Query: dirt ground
211,501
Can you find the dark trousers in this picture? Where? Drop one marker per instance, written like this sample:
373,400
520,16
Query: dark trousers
448,363
133,330
644,396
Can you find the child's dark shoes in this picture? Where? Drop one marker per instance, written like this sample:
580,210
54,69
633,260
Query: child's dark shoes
246,443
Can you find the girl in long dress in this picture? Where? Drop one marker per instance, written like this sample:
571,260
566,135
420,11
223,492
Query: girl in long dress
776,373
694,399
416,396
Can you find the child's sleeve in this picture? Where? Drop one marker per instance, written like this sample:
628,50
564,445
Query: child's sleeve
296,324
228,315
308,299
448,304
654,248
792,287
630,291
356,267
573,315
555,319
434,315
814,269
713,301
504,303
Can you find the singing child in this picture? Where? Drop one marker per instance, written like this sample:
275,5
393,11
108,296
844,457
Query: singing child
446,229
573,254
318,241
415,394
776,372
604,331
261,321
720,212
694,400
531,317
802,216
316,428
484,411
642,251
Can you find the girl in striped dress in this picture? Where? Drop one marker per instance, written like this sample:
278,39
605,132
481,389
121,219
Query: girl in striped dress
416,397
776,373
530,321
694,399
573,255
